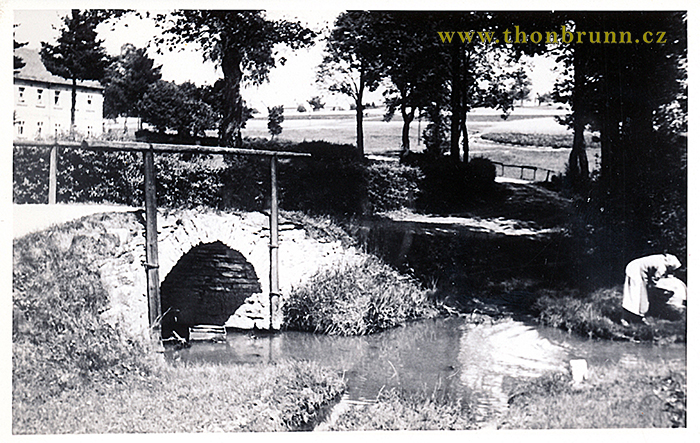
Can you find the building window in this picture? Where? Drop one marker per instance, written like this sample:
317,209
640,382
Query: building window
20,97
39,127
40,97
20,127
56,97
89,99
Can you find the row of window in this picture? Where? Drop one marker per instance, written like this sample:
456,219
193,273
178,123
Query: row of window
21,98
21,126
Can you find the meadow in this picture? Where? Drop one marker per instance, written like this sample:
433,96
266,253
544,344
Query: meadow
530,136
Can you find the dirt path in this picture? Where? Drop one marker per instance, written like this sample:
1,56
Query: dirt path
31,217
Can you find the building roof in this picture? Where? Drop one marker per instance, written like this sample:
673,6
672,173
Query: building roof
35,70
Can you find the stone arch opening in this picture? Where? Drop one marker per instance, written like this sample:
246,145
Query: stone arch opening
205,287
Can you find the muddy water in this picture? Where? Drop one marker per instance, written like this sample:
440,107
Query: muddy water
446,356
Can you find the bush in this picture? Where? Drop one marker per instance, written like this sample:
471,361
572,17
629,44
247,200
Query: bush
331,181
334,180
356,298
392,186
482,172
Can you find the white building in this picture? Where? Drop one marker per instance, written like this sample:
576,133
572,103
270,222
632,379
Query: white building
43,102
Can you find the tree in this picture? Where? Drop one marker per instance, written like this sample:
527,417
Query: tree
126,81
243,44
275,117
350,63
163,106
18,63
411,60
78,53
316,103
521,85
181,108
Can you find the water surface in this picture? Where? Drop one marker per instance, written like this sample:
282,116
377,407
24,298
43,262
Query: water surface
447,356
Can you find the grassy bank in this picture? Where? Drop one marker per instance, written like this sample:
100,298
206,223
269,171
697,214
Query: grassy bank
186,399
598,315
397,410
614,396
72,372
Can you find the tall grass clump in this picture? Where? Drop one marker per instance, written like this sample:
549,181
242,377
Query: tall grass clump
356,298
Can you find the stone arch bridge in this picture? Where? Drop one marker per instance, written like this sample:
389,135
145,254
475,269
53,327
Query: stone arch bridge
203,252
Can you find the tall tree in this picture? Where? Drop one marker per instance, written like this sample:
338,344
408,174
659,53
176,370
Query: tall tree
78,53
411,60
127,80
243,44
351,61
521,85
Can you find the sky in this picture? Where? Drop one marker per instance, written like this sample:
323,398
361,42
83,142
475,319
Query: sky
291,84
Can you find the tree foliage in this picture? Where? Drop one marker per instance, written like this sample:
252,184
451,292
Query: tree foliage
243,44
127,79
351,62
275,117
17,62
78,54
316,103
181,108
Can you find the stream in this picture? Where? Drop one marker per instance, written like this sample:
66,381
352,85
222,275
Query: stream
445,356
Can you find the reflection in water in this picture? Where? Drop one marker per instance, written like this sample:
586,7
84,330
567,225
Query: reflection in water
442,356
490,354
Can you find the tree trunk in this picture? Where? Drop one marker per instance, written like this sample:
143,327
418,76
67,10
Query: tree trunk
359,110
73,99
455,102
578,161
465,140
232,121
405,130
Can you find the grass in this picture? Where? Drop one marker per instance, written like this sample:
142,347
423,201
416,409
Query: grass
189,398
72,372
598,315
356,298
397,410
650,394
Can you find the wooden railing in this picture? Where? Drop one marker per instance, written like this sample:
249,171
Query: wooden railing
148,150
523,168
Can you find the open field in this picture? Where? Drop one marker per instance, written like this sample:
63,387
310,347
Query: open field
384,138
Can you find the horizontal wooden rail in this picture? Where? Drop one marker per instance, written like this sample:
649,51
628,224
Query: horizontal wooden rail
154,147
534,170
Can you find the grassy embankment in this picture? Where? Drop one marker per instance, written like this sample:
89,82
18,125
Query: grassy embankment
74,373
614,396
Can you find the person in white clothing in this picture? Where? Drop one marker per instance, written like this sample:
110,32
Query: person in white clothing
640,275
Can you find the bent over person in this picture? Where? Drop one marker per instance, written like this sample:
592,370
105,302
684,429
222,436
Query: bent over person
640,275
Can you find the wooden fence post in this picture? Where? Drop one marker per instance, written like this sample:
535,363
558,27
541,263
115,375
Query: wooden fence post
152,281
53,158
274,245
